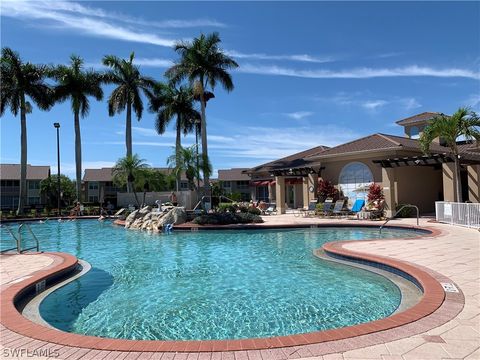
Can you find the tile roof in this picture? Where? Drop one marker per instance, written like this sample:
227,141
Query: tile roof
418,118
12,172
234,174
105,174
296,160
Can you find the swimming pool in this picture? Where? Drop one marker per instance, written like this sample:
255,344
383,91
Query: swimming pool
211,284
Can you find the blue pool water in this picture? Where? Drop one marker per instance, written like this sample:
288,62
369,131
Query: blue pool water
210,284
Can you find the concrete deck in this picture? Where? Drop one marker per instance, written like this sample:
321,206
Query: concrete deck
455,254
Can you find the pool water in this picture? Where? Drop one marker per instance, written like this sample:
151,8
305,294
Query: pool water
210,284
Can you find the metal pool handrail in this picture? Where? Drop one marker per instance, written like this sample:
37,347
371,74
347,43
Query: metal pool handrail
396,213
37,246
17,240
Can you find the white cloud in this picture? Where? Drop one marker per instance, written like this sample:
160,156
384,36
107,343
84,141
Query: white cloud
298,115
359,73
297,57
373,104
410,103
77,18
154,62
473,101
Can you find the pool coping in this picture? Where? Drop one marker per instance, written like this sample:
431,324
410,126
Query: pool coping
431,300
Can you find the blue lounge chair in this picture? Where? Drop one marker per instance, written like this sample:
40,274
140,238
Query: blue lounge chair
357,206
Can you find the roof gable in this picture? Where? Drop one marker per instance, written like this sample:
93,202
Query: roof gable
419,118
34,172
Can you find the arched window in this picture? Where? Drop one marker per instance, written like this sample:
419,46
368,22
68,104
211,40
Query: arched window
354,180
414,132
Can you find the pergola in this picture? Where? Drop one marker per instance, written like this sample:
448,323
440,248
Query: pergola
422,160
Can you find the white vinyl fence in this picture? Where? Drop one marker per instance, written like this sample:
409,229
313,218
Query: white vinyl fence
463,214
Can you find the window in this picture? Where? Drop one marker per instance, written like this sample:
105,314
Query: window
262,193
183,185
93,185
243,184
226,184
34,184
33,200
354,180
414,132
93,199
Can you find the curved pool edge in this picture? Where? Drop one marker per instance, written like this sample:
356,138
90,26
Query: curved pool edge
432,300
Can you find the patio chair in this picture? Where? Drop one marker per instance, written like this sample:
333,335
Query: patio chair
357,207
272,209
338,208
377,213
327,207
310,211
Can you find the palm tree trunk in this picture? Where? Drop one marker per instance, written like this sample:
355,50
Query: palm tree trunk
78,155
128,129
458,180
178,145
203,131
22,199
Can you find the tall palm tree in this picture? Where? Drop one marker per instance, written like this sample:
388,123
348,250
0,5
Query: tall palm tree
130,83
186,161
76,84
204,64
172,102
20,80
463,123
126,170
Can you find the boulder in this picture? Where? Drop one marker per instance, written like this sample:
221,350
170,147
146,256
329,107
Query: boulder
130,218
176,216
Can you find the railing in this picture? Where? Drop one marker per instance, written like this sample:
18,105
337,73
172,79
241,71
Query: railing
200,202
18,239
398,211
463,214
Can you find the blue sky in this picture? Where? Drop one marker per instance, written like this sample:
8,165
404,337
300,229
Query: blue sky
311,73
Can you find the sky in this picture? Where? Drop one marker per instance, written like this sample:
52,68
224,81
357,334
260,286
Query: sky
311,73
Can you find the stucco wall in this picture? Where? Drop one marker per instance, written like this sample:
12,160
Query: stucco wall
419,185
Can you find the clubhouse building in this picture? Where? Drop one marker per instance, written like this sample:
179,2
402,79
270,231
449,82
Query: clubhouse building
397,163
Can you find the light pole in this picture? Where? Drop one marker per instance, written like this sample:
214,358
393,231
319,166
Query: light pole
57,126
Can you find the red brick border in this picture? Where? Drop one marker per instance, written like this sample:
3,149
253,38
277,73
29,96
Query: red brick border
432,299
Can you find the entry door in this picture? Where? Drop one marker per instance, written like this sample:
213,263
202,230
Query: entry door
290,196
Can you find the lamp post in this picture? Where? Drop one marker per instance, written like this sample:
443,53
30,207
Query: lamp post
57,126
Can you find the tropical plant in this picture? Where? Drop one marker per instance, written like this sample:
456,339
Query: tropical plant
375,193
464,123
186,163
19,82
171,102
76,84
326,189
203,64
127,95
126,170
49,188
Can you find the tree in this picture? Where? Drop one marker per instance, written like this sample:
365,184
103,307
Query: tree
186,161
172,102
463,123
127,95
203,64
76,84
48,188
19,82
126,170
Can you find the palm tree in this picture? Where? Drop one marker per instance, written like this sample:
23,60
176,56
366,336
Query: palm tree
186,161
20,80
204,64
76,84
463,123
127,94
126,170
171,102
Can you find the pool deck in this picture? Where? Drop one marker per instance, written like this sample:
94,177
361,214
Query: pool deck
451,332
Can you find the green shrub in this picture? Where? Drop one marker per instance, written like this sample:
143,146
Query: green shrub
319,208
227,207
254,210
406,212
227,218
